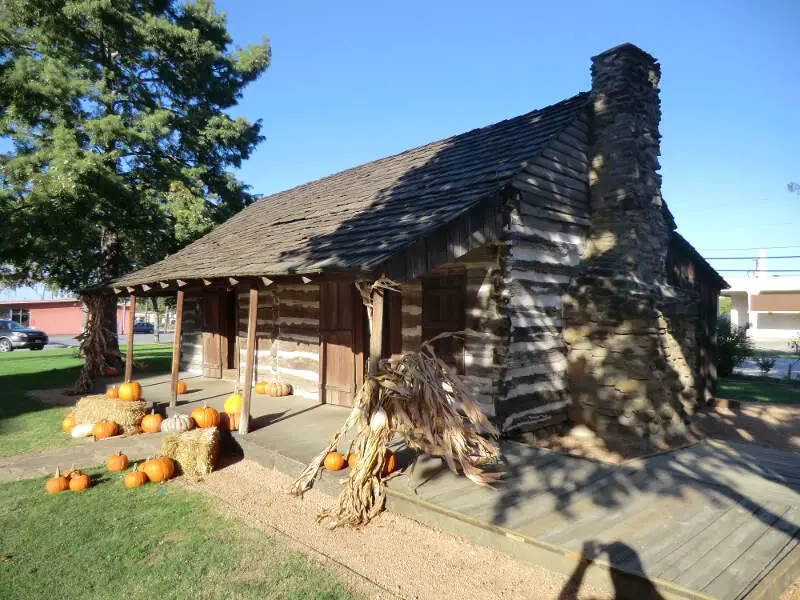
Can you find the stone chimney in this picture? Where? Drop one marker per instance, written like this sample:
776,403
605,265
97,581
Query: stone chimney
629,358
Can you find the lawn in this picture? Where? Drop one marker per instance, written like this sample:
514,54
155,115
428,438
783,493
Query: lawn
759,389
27,425
156,541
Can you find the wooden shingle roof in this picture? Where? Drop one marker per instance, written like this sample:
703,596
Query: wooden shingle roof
356,220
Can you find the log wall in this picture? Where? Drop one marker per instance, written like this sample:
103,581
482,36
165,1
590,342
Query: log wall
548,216
287,337
192,342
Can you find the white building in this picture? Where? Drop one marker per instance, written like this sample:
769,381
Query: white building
770,304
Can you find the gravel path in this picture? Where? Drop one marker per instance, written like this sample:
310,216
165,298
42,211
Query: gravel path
400,557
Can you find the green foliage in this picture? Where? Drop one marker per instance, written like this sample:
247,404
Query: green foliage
155,541
733,346
122,145
765,362
725,305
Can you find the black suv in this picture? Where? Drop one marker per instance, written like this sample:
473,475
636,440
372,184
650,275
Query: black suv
13,336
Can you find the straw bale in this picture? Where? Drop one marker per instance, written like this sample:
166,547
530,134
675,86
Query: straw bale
94,408
194,451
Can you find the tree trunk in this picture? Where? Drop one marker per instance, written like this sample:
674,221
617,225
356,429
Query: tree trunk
157,324
110,250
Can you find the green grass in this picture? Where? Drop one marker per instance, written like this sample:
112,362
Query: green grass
758,389
156,541
27,425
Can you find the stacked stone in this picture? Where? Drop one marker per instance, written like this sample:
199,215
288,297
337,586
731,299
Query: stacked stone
630,352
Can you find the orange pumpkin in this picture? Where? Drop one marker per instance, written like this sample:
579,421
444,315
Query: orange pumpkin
181,387
130,391
111,372
68,423
73,472
57,483
104,429
229,421
81,482
112,392
334,461
135,478
117,462
388,463
205,416
152,423
261,387
352,459
158,469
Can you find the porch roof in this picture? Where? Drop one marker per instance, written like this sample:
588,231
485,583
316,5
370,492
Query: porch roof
358,219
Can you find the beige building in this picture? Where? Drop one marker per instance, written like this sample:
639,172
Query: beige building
770,304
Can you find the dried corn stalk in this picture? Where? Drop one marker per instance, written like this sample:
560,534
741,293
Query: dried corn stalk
427,405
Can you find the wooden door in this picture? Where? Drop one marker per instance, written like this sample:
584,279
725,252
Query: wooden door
229,333
443,310
341,342
212,345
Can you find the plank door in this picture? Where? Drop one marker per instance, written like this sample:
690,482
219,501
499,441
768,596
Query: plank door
341,342
443,310
212,345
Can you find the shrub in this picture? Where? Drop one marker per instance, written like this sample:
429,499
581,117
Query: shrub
733,346
765,363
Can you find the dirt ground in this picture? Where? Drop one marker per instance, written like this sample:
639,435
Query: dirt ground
393,557
773,426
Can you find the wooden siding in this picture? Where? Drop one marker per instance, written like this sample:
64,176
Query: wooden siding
192,340
287,337
548,221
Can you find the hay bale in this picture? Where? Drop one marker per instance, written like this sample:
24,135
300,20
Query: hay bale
94,408
194,451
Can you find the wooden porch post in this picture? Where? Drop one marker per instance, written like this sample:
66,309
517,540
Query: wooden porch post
129,348
244,417
176,351
376,332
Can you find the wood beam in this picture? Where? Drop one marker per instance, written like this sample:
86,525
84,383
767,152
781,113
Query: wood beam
146,287
207,282
305,279
129,331
181,282
376,332
163,284
233,280
244,417
267,281
176,351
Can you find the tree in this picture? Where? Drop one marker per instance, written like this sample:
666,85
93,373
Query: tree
122,146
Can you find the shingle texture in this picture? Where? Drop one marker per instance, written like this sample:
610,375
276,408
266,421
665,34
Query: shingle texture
358,219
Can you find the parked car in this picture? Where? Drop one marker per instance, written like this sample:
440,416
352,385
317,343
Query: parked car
13,336
143,327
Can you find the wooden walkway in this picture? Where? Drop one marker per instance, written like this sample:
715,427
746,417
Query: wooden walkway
713,520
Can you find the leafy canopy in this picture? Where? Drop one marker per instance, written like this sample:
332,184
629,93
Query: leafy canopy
120,145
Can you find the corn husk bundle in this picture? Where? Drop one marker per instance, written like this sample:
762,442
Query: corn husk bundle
96,407
194,451
94,343
419,399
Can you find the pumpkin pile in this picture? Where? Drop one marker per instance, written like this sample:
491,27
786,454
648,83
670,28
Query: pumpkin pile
73,480
335,461
273,389
155,470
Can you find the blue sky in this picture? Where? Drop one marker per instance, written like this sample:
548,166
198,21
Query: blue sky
354,81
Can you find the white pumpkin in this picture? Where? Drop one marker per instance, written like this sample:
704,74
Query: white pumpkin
82,430
177,423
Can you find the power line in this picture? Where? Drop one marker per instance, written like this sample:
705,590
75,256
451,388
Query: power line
756,248
757,271
748,257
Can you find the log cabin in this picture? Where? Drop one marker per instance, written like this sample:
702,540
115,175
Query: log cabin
543,238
